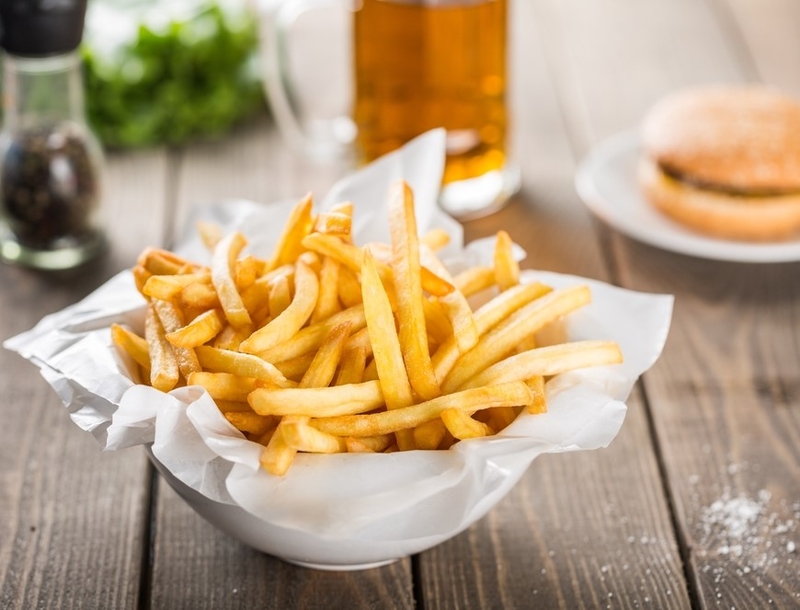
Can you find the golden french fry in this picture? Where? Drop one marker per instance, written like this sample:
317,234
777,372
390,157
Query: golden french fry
474,280
406,268
132,344
222,276
435,239
250,422
245,272
369,444
201,330
547,361
387,353
289,246
462,426
223,386
430,434
164,371
280,296
277,456
218,360
318,402
311,337
333,223
328,300
167,286
210,233
506,268
171,321
537,386
351,367
349,288
295,368
405,418
502,417
233,406
486,318
230,338
500,340
199,295
302,437
283,326
323,367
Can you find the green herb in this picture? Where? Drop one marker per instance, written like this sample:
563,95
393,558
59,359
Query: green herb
192,80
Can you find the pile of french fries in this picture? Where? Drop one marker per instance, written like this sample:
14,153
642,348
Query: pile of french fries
333,347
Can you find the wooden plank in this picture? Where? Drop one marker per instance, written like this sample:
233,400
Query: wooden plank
73,521
723,395
196,565
584,530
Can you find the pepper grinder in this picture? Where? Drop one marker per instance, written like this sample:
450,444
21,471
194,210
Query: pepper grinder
51,163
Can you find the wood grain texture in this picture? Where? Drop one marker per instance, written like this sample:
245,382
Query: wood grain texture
196,565
71,535
584,530
723,395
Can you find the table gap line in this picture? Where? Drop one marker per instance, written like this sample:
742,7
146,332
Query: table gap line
148,539
417,592
684,549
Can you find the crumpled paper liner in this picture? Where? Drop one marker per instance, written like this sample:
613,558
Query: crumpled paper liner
380,497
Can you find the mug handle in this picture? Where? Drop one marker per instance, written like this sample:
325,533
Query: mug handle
327,140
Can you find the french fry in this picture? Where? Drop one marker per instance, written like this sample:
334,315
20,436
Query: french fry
302,437
290,244
167,286
435,239
201,330
164,371
244,365
222,276
171,321
223,386
506,268
198,295
333,223
132,344
499,341
408,286
462,426
351,367
430,434
318,402
405,418
210,234
486,318
547,361
250,422
537,386
455,305
474,280
369,444
280,296
386,345
328,300
290,320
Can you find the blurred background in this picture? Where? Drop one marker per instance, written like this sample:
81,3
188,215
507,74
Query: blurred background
170,71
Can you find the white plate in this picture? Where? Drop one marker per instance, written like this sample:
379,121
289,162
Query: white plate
606,181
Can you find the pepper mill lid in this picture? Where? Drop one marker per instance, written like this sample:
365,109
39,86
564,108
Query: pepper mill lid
37,28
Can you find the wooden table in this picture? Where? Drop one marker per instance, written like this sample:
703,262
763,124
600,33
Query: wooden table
695,504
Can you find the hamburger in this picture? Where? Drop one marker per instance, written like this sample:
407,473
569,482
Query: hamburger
725,161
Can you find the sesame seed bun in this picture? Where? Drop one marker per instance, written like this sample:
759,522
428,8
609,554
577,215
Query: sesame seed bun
725,160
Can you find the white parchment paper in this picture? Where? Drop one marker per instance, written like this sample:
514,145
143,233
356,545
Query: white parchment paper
398,496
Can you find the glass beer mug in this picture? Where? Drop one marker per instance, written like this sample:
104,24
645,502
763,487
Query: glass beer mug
416,65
